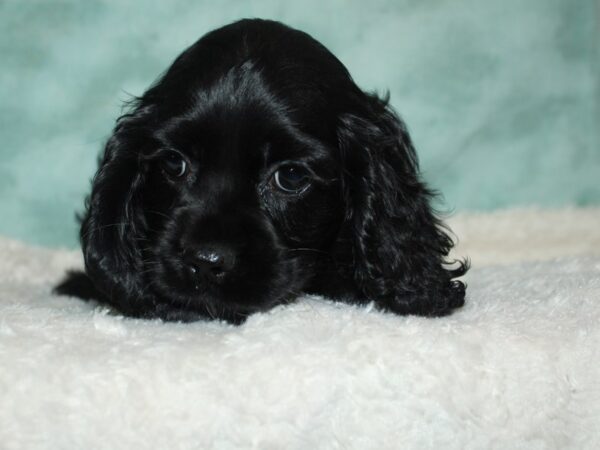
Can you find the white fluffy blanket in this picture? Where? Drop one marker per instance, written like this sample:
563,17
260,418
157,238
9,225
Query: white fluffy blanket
517,367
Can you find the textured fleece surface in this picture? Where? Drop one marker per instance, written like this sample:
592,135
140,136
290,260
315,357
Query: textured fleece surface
500,96
517,367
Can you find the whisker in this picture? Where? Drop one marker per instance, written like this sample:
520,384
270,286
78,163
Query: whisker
158,213
307,250
102,227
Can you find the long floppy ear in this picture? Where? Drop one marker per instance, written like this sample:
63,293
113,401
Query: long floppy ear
112,224
399,246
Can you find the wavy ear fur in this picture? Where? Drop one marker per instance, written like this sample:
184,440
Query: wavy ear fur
398,244
111,223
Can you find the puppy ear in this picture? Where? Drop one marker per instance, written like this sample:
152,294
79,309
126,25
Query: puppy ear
112,223
398,244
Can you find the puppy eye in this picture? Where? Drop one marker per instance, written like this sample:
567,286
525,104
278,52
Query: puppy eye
174,164
291,179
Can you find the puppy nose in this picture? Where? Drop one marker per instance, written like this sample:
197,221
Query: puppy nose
211,263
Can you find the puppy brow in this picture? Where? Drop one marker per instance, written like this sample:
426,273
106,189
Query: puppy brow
294,144
155,152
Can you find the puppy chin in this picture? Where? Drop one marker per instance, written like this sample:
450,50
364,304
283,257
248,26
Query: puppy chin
208,302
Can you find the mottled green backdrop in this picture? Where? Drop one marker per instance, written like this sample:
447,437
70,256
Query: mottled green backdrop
501,97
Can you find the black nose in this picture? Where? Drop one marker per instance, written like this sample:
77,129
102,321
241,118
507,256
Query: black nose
211,263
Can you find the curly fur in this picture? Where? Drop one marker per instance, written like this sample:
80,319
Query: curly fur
239,103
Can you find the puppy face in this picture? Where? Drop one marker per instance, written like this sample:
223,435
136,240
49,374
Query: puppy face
236,199
255,170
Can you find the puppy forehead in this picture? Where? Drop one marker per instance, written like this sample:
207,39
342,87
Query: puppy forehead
238,115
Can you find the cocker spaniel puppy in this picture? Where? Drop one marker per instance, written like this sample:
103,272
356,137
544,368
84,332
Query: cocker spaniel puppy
255,170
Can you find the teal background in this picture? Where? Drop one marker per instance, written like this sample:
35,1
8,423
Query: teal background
501,97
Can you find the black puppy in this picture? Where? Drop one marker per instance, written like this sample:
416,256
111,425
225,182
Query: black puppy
255,170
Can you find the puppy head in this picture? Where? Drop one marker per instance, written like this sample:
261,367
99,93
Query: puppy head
253,170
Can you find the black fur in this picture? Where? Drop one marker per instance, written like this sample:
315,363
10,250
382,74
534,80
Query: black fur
244,106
